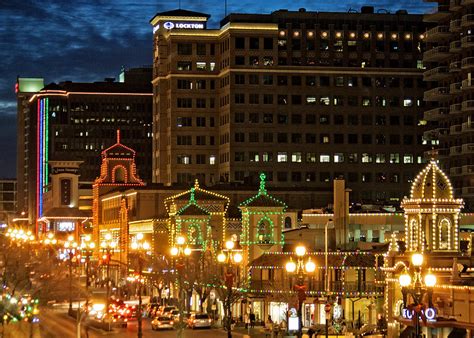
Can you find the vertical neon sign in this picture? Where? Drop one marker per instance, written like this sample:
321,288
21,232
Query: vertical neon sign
42,146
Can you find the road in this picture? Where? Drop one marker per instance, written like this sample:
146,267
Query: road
55,324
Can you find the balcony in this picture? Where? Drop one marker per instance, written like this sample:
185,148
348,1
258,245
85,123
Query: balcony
455,46
435,114
467,84
467,148
456,150
437,33
455,26
455,88
467,106
455,130
436,94
468,191
455,66
455,109
455,171
436,54
434,134
467,169
439,14
455,5
467,63
467,41
467,20
436,74
467,127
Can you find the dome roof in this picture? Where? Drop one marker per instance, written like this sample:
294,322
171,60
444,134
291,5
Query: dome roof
431,183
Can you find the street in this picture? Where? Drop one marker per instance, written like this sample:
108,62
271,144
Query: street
58,324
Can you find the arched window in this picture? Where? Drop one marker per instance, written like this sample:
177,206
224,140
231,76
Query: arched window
413,235
264,231
288,222
444,234
119,174
194,234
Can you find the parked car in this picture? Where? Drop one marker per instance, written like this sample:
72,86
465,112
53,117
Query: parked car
162,322
175,315
165,311
199,320
151,309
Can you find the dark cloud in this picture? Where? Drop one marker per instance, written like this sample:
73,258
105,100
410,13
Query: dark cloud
87,40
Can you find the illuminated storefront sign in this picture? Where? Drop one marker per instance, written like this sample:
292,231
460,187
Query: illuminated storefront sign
430,313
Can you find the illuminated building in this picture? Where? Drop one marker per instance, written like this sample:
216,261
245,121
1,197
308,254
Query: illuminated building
432,222
8,201
76,121
449,66
305,97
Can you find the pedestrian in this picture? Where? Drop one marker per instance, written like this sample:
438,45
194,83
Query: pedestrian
247,320
252,320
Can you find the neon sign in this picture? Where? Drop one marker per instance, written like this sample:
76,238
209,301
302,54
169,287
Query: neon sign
430,313
169,25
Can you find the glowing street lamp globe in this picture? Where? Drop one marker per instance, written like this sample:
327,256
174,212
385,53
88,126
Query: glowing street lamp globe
290,266
187,251
310,266
140,236
221,257
229,245
300,250
430,280
134,245
180,240
238,258
417,259
404,280
174,251
146,246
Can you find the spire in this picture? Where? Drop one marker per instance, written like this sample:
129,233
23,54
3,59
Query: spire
118,135
196,183
262,190
191,197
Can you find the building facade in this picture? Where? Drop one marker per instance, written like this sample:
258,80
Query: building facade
449,65
305,97
71,121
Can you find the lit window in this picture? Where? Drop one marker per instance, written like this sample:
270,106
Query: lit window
407,102
366,158
266,157
200,65
254,157
311,99
324,158
395,158
379,158
310,157
296,157
407,158
184,159
338,158
212,159
282,157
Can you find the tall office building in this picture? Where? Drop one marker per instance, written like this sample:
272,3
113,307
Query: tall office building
304,96
74,122
450,65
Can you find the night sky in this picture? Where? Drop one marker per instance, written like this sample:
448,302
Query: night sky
88,40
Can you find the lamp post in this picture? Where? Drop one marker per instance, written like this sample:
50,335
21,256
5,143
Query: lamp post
300,269
179,252
231,257
70,251
140,248
87,248
107,246
414,284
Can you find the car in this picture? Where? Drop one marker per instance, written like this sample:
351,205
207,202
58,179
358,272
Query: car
174,314
166,310
162,322
199,320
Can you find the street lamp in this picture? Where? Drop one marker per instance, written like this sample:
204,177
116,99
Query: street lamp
140,248
179,252
70,251
416,286
300,268
232,258
107,246
87,250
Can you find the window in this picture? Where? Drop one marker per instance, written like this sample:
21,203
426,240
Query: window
253,118
324,100
267,43
200,103
267,79
310,118
282,80
282,156
296,157
240,98
239,79
324,138
253,98
282,99
239,43
185,48
282,118
311,138
310,177
407,102
200,121
324,177
183,159
254,43
296,138
201,140
184,102
240,60
184,65
239,117
339,81
185,84
183,140
339,158
353,120
379,158
212,159
282,176
366,158
183,121
395,158
201,66
253,156
324,158
267,157
338,119
264,231
366,177
311,99
200,159
352,158
239,137
253,137
366,101
310,157
267,118
253,79
338,138
201,49
366,139
239,156
282,138
200,84
408,158
352,138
